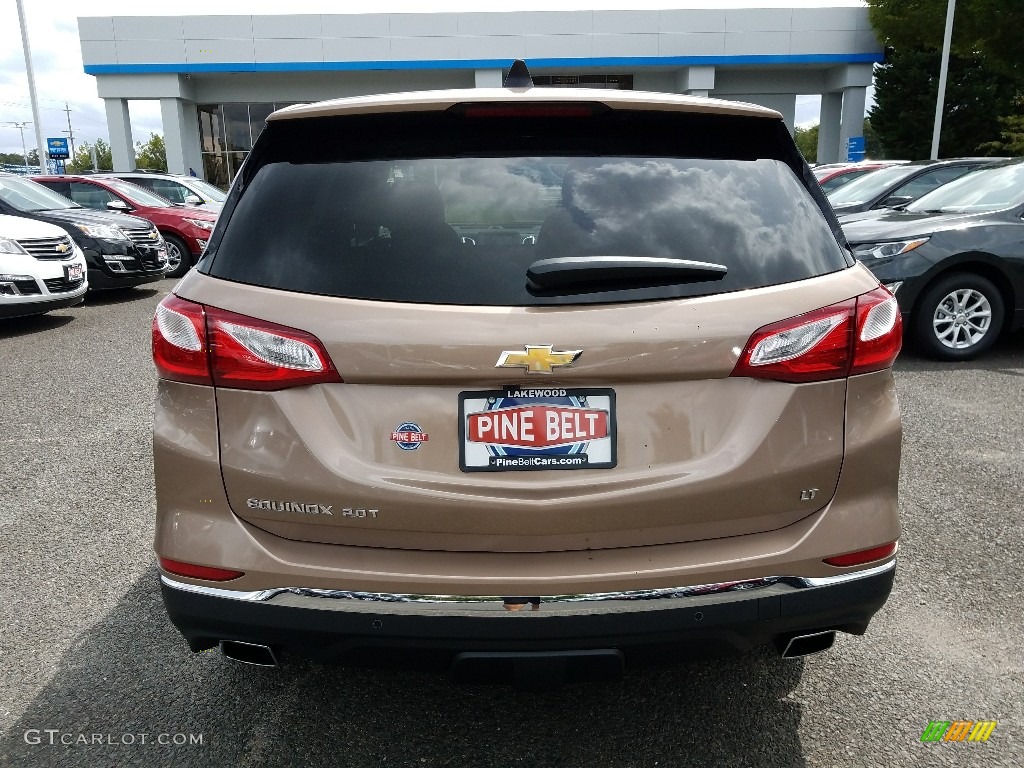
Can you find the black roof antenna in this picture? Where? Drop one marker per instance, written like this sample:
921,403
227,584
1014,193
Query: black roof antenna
518,76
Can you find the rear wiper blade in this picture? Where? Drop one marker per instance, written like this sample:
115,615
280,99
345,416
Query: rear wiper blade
573,270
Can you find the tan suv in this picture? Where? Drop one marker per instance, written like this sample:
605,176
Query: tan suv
528,378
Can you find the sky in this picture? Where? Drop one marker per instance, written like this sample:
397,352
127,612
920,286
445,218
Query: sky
57,57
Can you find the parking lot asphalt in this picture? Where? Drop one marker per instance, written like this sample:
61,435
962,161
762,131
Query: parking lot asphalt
88,655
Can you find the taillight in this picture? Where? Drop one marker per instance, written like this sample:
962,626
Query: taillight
862,556
854,336
179,341
246,353
205,345
194,571
879,332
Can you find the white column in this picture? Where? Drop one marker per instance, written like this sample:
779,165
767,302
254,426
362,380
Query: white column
119,126
488,78
853,116
787,107
828,127
173,118
190,139
696,81
181,136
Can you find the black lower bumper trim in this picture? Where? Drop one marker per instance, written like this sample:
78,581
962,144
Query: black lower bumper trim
736,622
100,281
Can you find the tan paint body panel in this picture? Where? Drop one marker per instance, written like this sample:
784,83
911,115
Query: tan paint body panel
196,524
700,456
433,101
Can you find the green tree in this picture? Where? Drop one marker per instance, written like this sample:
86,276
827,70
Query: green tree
906,87
807,142
82,160
152,154
17,158
985,88
873,148
1011,139
989,29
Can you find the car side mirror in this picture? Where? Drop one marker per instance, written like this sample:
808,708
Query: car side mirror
119,205
893,200
193,200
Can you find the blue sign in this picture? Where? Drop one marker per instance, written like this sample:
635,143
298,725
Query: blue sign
58,149
855,149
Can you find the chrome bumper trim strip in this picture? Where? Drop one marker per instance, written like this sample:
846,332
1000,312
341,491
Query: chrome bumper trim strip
794,582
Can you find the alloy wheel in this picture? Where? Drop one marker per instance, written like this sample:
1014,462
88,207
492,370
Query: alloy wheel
174,255
962,318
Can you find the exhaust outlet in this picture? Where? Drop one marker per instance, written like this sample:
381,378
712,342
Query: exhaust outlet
807,645
248,653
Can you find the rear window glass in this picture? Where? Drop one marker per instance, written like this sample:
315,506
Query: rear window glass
422,222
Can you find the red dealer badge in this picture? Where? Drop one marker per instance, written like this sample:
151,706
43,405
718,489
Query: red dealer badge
537,426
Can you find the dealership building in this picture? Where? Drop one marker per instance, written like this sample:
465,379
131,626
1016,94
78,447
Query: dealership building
218,77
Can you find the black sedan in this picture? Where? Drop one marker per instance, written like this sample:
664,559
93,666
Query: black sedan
954,259
900,184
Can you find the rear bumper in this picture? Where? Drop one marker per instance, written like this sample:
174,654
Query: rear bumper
338,626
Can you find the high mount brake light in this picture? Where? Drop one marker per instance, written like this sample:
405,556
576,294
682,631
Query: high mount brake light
858,335
205,345
516,110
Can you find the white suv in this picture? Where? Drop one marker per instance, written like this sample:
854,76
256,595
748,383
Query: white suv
183,190
41,268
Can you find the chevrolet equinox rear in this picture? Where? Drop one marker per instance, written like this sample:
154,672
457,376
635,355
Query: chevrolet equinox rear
525,375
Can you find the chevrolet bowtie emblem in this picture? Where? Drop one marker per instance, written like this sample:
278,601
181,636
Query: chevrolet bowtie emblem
61,248
538,359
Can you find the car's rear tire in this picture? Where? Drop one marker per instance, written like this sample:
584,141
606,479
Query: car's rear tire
179,258
959,317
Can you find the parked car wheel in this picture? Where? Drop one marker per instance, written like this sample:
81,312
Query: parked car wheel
959,317
179,259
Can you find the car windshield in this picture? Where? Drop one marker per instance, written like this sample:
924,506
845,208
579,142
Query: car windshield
140,196
207,190
870,186
987,189
28,196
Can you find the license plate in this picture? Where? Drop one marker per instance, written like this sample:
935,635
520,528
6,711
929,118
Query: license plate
73,272
524,428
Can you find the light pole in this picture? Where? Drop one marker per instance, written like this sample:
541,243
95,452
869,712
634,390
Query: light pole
24,150
70,132
32,87
943,71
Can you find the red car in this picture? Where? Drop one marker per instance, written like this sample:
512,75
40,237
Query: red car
185,229
832,177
